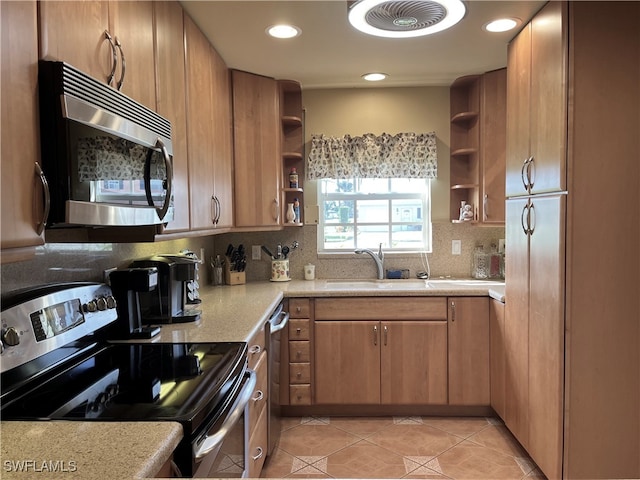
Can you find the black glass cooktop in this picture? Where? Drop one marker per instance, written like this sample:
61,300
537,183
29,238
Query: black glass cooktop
151,381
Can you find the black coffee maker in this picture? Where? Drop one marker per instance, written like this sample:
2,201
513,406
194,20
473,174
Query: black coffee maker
126,285
167,304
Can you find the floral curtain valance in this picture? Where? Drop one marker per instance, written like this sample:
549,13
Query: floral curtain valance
404,155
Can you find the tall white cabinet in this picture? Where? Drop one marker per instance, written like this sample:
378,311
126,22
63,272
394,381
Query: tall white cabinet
572,319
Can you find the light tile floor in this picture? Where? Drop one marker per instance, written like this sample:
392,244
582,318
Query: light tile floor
442,448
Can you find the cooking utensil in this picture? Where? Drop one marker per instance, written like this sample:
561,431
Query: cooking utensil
285,251
267,251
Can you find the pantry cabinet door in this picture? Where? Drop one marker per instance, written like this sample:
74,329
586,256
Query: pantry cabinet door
414,363
347,362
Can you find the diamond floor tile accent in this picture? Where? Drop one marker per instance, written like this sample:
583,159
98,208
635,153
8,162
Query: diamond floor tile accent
408,420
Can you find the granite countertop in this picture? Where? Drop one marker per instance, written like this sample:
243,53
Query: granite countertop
86,450
229,314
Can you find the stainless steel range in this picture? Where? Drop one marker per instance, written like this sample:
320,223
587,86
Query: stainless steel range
57,364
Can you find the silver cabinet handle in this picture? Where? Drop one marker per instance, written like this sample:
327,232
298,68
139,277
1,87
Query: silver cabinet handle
386,334
114,53
254,349
375,335
453,311
258,454
218,210
258,396
485,207
531,219
524,213
531,173
214,209
276,204
47,199
123,62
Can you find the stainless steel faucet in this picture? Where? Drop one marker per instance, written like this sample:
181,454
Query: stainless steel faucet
379,259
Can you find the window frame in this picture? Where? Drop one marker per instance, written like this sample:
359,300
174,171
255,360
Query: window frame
425,200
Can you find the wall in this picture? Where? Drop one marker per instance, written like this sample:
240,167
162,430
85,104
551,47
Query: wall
332,112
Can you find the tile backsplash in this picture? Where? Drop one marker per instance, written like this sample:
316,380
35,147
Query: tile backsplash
65,262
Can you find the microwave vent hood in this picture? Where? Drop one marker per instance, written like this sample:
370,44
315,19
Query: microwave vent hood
108,159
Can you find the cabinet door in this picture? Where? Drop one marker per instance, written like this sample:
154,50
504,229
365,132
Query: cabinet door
517,322
518,121
199,126
132,23
74,32
170,100
21,208
493,145
222,140
548,102
347,362
497,356
256,156
546,333
469,351
414,362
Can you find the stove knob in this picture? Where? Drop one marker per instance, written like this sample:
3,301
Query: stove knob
102,304
11,337
111,301
90,306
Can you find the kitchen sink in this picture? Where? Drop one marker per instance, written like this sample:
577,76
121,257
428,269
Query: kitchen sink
375,284
443,283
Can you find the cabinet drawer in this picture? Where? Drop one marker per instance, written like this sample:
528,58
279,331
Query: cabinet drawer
299,373
300,394
381,308
257,446
255,347
299,351
299,329
259,397
299,308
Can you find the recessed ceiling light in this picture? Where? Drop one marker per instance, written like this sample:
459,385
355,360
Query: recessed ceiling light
501,25
283,31
404,19
374,77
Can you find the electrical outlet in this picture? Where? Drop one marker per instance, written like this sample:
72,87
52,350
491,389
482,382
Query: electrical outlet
256,252
106,273
456,247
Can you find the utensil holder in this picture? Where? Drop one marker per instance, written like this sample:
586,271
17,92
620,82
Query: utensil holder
280,270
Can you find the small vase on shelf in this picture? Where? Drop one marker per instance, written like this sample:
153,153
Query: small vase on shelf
291,214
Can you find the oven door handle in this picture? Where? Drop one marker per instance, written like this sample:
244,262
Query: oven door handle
213,441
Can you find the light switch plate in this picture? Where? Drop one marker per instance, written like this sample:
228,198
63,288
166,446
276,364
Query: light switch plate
456,247
256,252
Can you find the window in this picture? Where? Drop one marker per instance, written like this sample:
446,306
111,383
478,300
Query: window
364,212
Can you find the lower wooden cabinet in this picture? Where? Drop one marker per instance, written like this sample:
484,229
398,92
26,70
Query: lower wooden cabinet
373,362
498,356
257,411
468,337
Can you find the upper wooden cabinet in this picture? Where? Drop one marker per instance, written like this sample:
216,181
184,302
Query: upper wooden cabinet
257,170
74,32
537,99
22,200
478,144
171,100
209,139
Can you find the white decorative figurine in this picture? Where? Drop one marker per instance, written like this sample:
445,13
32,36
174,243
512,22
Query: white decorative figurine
467,213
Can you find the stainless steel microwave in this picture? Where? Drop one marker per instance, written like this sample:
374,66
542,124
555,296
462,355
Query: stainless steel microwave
107,159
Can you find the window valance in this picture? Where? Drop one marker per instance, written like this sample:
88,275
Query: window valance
404,155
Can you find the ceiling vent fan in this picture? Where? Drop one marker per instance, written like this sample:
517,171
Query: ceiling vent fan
404,18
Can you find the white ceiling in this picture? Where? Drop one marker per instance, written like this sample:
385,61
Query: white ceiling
332,54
